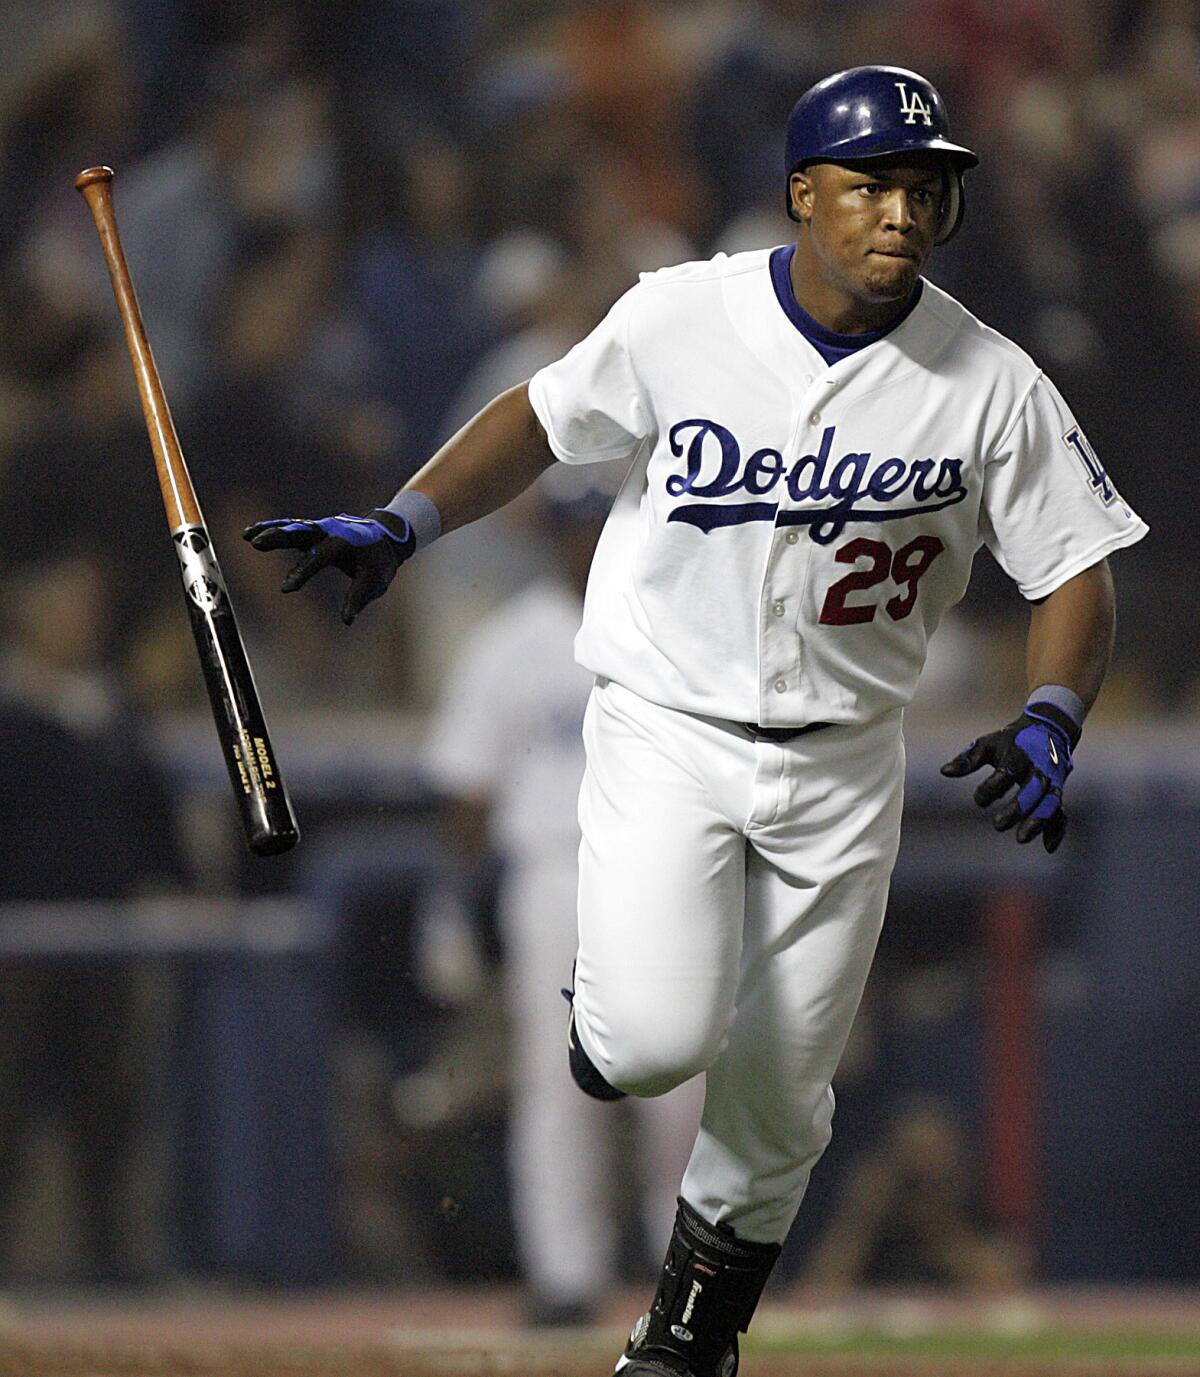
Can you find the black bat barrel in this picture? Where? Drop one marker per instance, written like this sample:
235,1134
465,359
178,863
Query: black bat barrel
267,817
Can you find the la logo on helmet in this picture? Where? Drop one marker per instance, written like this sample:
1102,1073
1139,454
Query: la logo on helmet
912,107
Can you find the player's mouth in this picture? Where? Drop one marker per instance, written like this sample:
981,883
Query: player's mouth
895,253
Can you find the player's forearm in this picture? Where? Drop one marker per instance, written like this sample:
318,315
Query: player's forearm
1071,634
491,460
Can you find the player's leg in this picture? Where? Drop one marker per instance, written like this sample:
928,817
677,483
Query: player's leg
666,1132
661,899
557,1138
817,885
661,889
825,825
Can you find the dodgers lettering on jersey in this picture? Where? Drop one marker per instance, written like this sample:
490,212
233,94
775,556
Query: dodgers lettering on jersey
790,533
847,489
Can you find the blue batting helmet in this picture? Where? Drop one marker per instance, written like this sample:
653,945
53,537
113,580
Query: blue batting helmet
870,112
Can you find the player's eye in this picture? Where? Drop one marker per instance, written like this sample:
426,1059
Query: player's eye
870,188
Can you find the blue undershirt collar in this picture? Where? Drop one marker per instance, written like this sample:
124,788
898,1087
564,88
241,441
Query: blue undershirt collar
831,346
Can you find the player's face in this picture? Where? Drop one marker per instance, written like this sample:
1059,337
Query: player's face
871,226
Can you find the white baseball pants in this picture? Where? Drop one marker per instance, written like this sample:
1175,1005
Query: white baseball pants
731,894
561,1169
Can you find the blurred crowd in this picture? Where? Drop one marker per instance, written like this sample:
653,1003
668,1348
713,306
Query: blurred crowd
350,227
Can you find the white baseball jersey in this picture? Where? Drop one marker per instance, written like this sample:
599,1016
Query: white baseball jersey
790,533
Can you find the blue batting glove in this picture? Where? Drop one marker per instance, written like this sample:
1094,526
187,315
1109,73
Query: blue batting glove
1032,754
367,549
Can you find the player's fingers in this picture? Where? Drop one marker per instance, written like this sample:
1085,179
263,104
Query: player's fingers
966,762
1008,816
997,783
365,588
1036,819
1054,830
281,535
256,528
1029,828
1033,793
318,558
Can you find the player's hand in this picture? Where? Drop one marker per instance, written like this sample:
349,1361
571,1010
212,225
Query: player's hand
1032,755
367,549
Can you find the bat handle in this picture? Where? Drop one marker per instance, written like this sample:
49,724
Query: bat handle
179,498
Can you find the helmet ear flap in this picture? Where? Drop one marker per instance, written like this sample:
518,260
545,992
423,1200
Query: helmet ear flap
952,206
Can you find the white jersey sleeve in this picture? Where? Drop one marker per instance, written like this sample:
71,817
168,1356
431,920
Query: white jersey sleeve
1049,508
590,402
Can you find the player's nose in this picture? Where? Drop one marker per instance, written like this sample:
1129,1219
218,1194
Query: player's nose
897,212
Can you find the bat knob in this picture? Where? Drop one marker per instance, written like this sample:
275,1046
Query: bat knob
91,175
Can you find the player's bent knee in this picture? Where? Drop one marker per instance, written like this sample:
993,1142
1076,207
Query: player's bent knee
653,1060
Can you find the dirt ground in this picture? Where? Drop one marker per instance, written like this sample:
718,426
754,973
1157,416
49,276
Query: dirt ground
271,1361
469,1333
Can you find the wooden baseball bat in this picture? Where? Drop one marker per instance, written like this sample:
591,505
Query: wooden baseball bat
258,786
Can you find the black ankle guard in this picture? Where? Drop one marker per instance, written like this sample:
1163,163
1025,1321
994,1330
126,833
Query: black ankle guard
710,1285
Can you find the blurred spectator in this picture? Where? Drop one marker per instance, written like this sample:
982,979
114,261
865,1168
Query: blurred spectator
255,162
87,816
65,97
87,465
752,70
291,381
415,269
906,1216
506,749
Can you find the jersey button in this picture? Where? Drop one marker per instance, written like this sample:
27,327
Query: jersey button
780,685
792,537
815,418
777,607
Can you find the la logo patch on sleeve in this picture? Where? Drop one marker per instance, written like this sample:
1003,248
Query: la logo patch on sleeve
1098,479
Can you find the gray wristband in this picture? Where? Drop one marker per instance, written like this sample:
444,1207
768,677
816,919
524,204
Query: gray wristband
1064,699
420,513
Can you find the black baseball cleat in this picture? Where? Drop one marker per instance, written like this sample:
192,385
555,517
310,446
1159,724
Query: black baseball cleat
583,1070
654,1367
662,1364
708,1289
644,1368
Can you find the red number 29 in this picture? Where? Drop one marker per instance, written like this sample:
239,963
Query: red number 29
906,567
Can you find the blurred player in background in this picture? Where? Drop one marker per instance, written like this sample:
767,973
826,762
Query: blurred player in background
85,815
506,749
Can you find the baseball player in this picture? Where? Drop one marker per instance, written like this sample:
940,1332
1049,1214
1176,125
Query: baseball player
819,440
505,746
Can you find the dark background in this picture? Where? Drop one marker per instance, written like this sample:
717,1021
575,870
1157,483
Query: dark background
349,226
